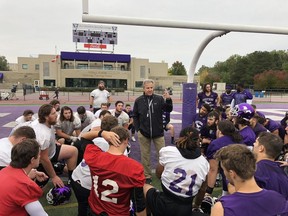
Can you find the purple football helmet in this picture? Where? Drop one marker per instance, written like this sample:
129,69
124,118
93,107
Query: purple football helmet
243,110
58,196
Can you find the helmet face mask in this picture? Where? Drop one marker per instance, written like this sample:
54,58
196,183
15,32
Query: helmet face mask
244,111
207,203
57,196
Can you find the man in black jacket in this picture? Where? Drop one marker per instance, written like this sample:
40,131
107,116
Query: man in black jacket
148,110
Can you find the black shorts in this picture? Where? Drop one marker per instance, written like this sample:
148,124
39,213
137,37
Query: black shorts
161,204
41,168
138,199
56,155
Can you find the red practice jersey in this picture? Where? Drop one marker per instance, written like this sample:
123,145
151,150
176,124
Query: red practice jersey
113,178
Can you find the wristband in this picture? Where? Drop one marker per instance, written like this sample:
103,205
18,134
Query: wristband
100,133
91,106
209,190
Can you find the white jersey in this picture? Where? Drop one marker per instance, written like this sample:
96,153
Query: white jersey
86,129
27,123
97,113
182,177
88,120
45,136
5,152
21,119
67,126
82,172
96,123
99,97
123,118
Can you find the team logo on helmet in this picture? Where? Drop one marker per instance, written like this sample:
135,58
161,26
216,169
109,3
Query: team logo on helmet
243,110
58,196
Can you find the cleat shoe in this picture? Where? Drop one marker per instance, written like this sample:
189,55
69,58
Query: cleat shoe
133,139
148,181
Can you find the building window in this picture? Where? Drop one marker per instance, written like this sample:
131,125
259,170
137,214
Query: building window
122,68
142,72
66,66
138,84
25,66
49,82
46,71
82,66
108,67
37,67
89,83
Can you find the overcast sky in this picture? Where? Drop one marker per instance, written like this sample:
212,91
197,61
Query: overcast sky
32,27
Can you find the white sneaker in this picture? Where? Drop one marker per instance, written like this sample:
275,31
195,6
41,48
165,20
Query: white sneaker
133,139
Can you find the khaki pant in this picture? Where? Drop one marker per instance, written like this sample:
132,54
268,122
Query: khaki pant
145,148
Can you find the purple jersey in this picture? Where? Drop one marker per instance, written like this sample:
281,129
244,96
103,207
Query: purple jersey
269,175
242,97
264,203
258,129
273,125
217,144
260,114
211,99
208,132
199,121
226,99
248,136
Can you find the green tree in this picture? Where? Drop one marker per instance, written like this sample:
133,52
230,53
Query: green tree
285,66
244,68
3,64
177,69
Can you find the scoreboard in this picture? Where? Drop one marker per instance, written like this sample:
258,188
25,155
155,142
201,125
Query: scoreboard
85,33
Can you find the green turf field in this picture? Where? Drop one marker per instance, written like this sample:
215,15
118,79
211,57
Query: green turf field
70,209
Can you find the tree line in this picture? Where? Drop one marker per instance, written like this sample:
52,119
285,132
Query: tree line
262,69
